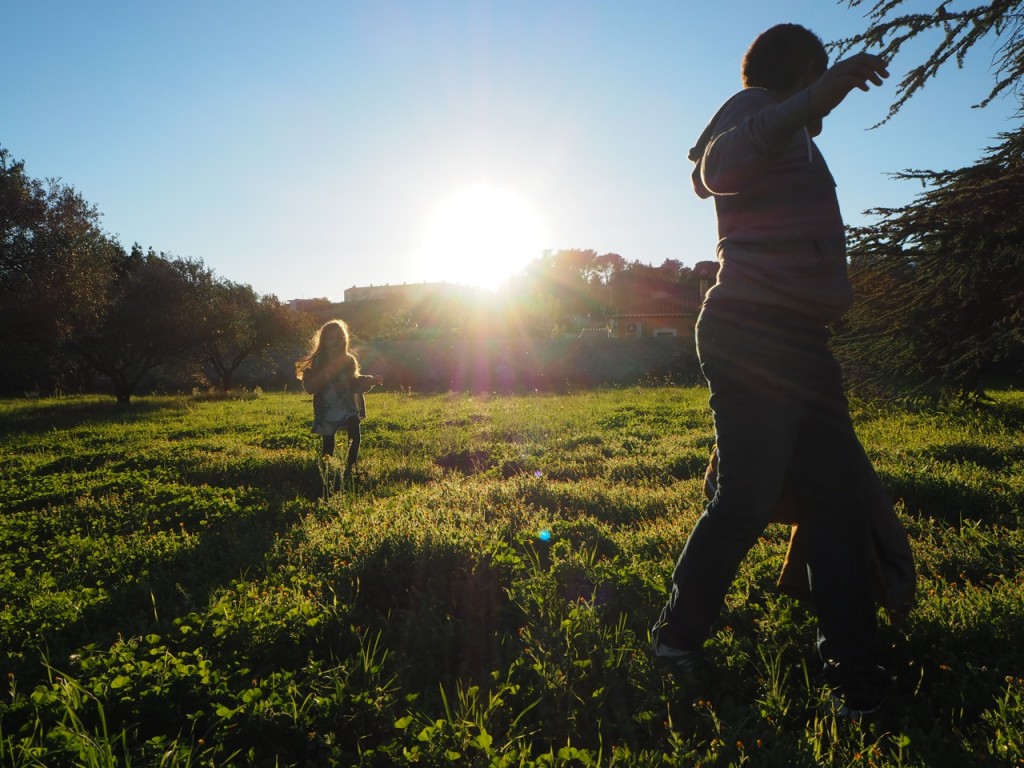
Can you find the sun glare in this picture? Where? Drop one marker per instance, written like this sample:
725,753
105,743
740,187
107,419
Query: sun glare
480,235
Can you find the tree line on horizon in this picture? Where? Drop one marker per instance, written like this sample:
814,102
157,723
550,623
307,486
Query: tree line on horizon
78,312
556,295
75,305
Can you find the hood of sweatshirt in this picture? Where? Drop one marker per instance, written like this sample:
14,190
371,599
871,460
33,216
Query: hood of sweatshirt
696,153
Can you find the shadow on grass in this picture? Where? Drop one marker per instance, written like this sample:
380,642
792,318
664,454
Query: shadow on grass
39,416
1010,413
172,586
282,479
934,496
971,453
466,462
444,611
950,679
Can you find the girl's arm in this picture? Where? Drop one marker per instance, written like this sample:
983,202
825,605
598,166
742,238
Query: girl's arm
366,383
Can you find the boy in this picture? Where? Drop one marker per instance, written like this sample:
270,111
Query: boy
762,339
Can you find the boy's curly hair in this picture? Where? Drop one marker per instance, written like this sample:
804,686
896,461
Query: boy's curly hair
779,56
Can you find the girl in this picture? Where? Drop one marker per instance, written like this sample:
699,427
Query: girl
330,372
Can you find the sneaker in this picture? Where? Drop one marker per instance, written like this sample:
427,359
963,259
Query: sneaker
676,658
856,690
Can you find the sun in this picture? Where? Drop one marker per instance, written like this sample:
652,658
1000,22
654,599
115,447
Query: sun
480,235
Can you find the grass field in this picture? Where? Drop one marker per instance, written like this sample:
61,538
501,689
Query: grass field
182,585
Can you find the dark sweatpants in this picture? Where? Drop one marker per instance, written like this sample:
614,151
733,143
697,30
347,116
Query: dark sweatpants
779,408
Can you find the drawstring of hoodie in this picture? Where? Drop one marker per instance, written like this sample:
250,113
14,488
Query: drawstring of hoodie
807,136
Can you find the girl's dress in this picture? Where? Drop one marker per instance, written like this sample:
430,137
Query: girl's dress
338,402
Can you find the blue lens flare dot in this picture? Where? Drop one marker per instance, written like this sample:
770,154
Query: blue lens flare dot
544,534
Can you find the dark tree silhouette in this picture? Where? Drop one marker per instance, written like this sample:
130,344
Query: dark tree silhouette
244,325
55,262
155,315
957,31
941,282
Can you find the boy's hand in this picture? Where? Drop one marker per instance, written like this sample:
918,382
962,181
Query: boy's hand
857,71
378,380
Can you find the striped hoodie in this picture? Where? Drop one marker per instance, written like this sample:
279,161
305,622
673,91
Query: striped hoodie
781,236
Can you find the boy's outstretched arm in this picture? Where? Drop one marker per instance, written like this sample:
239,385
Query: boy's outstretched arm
857,71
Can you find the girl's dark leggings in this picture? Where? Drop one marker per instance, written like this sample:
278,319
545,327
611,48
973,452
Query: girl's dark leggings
354,437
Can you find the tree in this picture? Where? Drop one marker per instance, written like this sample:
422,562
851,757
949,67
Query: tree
575,261
941,282
155,315
555,290
673,269
638,285
243,325
606,268
55,263
959,30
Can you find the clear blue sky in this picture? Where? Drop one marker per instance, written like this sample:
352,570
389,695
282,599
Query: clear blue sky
303,147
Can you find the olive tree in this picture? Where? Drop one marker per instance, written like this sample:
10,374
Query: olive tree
55,264
156,315
245,325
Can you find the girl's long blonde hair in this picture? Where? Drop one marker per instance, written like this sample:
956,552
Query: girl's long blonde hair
304,364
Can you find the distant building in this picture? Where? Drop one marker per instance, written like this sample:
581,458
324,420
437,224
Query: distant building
663,314
676,317
312,306
406,293
639,325
707,271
